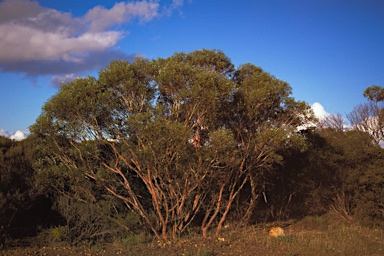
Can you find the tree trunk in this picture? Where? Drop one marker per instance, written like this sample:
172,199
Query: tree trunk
233,194
205,225
252,201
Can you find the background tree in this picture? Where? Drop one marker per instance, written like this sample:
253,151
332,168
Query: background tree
366,184
334,122
366,181
374,93
331,174
369,117
23,205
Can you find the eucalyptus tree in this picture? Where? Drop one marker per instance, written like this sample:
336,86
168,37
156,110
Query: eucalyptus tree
195,90
90,133
264,119
140,123
171,138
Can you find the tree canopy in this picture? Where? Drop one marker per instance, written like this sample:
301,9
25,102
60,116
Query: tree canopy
172,138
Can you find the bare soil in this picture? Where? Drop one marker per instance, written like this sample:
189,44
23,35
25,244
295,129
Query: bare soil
254,240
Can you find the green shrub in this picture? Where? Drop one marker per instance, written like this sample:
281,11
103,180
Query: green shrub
57,234
132,239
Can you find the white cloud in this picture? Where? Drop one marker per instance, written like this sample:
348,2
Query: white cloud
100,18
18,135
20,43
46,34
32,35
4,133
319,111
60,79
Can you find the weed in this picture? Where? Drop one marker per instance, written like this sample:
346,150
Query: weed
132,239
58,233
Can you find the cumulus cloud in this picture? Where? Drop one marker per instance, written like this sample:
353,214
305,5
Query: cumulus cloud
5,133
319,111
320,114
45,34
18,135
61,68
41,41
100,18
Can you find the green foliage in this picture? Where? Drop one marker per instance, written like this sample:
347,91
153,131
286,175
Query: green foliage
132,219
17,190
132,239
357,185
86,221
367,185
57,234
374,93
171,138
341,172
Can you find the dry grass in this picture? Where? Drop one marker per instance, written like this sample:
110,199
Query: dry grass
312,236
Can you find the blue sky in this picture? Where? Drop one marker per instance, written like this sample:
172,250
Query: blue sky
328,51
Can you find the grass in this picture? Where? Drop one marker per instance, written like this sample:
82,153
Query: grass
322,240
311,236
338,241
201,252
132,239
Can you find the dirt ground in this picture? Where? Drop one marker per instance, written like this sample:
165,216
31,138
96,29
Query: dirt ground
254,240
197,247
230,243
202,247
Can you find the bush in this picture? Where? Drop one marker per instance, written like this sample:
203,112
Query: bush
367,186
85,221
